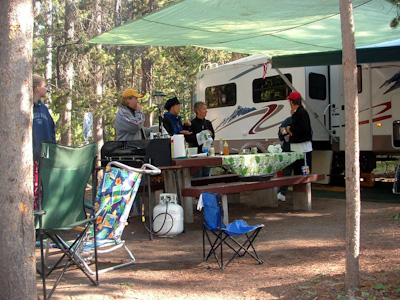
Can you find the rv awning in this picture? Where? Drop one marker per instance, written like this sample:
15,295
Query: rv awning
266,27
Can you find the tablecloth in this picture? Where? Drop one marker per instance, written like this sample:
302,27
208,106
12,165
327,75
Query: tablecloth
260,164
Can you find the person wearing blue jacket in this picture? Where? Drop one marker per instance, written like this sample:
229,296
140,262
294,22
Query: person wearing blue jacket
172,120
43,128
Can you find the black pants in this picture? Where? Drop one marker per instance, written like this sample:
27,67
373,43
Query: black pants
286,172
299,163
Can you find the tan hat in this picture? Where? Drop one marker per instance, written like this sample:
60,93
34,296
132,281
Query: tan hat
128,93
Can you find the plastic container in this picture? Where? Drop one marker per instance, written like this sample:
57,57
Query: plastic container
226,148
167,216
221,146
305,170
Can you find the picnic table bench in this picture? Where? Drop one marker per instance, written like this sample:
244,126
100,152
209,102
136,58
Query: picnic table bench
215,179
301,190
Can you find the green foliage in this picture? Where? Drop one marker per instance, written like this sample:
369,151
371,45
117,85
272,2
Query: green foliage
173,72
380,286
304,287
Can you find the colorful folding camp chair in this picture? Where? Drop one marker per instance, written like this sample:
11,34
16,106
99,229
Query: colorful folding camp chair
238,236
63,175
113,203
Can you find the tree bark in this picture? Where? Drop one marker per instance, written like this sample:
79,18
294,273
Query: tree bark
49,49
236,56
98,84
353,206
17,234
118,52
68,75
147,82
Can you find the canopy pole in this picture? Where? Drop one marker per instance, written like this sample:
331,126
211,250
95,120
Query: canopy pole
286,80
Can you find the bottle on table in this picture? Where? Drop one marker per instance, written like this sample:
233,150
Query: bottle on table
226,148
221,146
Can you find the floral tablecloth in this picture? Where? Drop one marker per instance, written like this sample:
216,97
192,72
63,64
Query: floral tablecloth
260,164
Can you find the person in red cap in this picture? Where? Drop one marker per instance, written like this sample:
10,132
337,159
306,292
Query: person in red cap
300,132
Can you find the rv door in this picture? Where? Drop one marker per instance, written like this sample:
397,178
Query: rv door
317,98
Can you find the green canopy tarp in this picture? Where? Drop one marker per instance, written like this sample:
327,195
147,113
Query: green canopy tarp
267,27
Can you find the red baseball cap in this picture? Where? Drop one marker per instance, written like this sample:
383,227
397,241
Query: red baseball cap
295,96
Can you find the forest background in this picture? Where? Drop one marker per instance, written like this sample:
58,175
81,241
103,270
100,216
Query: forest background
89,78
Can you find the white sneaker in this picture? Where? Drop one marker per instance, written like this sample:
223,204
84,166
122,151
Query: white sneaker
281,197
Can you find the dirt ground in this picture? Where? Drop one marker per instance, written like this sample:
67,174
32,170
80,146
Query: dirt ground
303,253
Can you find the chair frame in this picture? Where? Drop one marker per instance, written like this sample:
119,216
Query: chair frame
116,243
219,236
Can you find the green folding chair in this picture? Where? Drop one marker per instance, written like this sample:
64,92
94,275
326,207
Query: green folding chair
63,175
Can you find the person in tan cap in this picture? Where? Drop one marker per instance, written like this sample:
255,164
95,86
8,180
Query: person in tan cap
130,117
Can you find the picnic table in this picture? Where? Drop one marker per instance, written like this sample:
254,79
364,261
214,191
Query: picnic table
246,165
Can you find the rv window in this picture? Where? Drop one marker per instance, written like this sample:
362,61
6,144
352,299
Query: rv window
270,89
221,95
359,78
317,86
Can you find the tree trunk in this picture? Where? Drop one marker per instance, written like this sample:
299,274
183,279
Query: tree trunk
118,52
349,62
49,50
236,56
17,234
147,82
98,84
133,66
65,116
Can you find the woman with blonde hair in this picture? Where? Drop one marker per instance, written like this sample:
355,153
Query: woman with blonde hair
43,128
130,117
198,124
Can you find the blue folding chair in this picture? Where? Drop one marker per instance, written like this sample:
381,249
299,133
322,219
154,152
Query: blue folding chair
238,236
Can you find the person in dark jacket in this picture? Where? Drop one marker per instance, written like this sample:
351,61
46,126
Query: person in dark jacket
43,128
200,123
172,121
300,132
284,137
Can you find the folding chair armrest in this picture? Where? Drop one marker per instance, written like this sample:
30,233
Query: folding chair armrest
39,213
145,169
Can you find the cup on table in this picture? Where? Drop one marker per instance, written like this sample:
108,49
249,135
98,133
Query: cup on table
305,170
245,151
212,151
192,151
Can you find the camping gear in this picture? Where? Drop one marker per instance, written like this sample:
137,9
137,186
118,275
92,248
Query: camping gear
63,175
237,236
168,216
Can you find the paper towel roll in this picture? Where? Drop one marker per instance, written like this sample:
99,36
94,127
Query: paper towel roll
179,145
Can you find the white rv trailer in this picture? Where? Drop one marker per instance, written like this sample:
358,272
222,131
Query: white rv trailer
247,102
